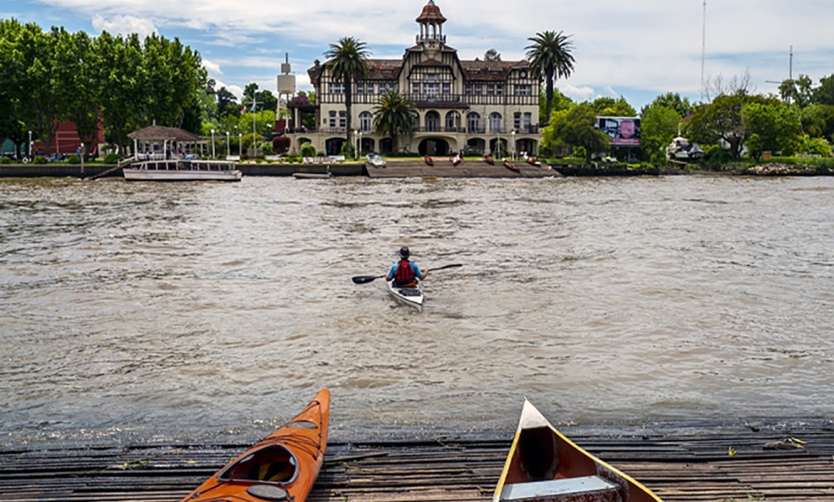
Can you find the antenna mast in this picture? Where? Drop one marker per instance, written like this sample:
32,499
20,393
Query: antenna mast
703,49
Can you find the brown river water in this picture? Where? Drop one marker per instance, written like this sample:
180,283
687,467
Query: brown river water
148,310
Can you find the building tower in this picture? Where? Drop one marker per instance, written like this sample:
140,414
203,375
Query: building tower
431,37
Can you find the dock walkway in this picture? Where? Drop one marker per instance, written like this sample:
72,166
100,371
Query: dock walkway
701,462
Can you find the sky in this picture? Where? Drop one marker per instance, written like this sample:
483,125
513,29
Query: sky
637,50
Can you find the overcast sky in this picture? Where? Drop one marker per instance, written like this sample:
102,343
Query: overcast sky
633,49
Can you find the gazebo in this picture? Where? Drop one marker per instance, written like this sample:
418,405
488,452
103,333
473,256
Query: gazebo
161,143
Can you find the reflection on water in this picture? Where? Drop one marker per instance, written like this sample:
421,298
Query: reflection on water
191,310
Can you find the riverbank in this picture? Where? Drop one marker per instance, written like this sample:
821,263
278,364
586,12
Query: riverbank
417,168
699,461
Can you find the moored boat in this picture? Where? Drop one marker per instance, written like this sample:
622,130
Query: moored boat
182,169
412,296
511,166
457,159
545,466
312,176
428,160
281,467
489,160
533,161
375,160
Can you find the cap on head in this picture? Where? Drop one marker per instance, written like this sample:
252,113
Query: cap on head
404,252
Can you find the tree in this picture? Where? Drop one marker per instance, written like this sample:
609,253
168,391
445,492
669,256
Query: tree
492,55
78,94
550,57
348,63
824,94
658,127
818,121
776,125
611,107
394,114
721,121
797,91
560,102
671,100
576,128
226,102
37,100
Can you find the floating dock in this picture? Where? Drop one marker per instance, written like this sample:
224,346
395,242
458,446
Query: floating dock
702,462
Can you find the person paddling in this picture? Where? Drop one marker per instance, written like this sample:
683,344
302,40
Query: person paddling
405,273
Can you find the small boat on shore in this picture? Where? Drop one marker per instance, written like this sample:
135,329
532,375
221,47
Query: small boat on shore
412,296
545,466
456,160
281,467
182,169
511,166
489,160
533,161
375,160
313,176
428,160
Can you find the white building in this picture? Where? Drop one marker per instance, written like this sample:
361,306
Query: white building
479,106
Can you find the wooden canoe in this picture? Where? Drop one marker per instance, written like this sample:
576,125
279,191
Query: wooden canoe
545,466
489,160
512,167
281,467
429,161
533,161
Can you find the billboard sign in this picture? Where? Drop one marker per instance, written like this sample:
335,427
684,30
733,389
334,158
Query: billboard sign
624,131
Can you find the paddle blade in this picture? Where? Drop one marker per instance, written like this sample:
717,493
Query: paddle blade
364,279
454,265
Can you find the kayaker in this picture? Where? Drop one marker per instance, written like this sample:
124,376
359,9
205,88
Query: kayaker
405,273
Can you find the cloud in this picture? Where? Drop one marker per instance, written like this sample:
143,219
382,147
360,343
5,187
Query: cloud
124,25
212,68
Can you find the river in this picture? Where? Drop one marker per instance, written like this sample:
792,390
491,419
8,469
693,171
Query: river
146,310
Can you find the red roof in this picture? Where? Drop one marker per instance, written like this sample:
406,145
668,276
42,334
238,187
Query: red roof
431,12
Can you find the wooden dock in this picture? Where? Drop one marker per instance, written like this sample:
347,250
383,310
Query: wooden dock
703,462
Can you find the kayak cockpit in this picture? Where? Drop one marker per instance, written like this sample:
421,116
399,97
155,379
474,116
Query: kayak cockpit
272,464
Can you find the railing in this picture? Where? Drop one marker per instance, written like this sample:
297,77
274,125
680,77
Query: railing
426,100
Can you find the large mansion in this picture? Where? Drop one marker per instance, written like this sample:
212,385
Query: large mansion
477,106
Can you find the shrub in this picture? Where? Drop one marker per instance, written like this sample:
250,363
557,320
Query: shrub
5,160
308,150
40,159
73,159
112,158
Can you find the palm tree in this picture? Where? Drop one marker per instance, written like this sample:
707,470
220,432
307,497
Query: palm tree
394,114
550,57
348,63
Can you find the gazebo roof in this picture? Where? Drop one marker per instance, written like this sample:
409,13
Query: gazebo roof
160,133
431,13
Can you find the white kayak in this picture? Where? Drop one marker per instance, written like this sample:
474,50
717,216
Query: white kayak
409,296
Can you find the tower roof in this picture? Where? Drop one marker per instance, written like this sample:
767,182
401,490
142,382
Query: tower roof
431,13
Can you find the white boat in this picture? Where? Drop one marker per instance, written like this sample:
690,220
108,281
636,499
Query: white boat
375,160
412,296
182,170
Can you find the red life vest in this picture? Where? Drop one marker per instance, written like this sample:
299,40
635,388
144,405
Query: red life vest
404,273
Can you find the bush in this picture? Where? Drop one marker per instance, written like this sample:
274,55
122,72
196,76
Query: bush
40,159
73,159
112,158
5,160
308,150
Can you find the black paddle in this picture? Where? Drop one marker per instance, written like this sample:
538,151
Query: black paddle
365,279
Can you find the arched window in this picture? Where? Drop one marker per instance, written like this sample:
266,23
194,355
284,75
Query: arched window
495,122
453,122
473,122
432,121
365,120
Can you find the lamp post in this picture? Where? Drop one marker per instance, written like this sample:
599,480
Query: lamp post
356,143
228,147
212,143
30,144
240,144
512,140
359,148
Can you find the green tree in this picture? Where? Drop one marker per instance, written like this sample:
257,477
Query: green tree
721,121
348,63
658,127
550,57
576,128
611,107
560,102
671,100
37,101
78,95
776,125
797,91
824,94
117,66
394,115
818,121
226,102
172,78
492,55
10,88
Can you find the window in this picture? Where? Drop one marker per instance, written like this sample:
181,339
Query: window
499,89
467,89
517,121
432,89
528,121
479,89
343,119
360,87
523,90
447,88
337,88
365,121
495,122
452,121
432,121
332,118
490,89
415,87
473,122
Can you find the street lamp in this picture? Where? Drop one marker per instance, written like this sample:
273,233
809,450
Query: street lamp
356,143
212,143
512,140
228,146
30,144
240,144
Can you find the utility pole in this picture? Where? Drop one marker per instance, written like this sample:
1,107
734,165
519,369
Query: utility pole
703,50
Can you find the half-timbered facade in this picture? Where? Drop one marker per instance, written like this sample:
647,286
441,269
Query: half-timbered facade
477,106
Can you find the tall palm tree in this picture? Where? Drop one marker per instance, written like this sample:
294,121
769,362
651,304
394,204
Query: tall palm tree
394,114
348,63
550,57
